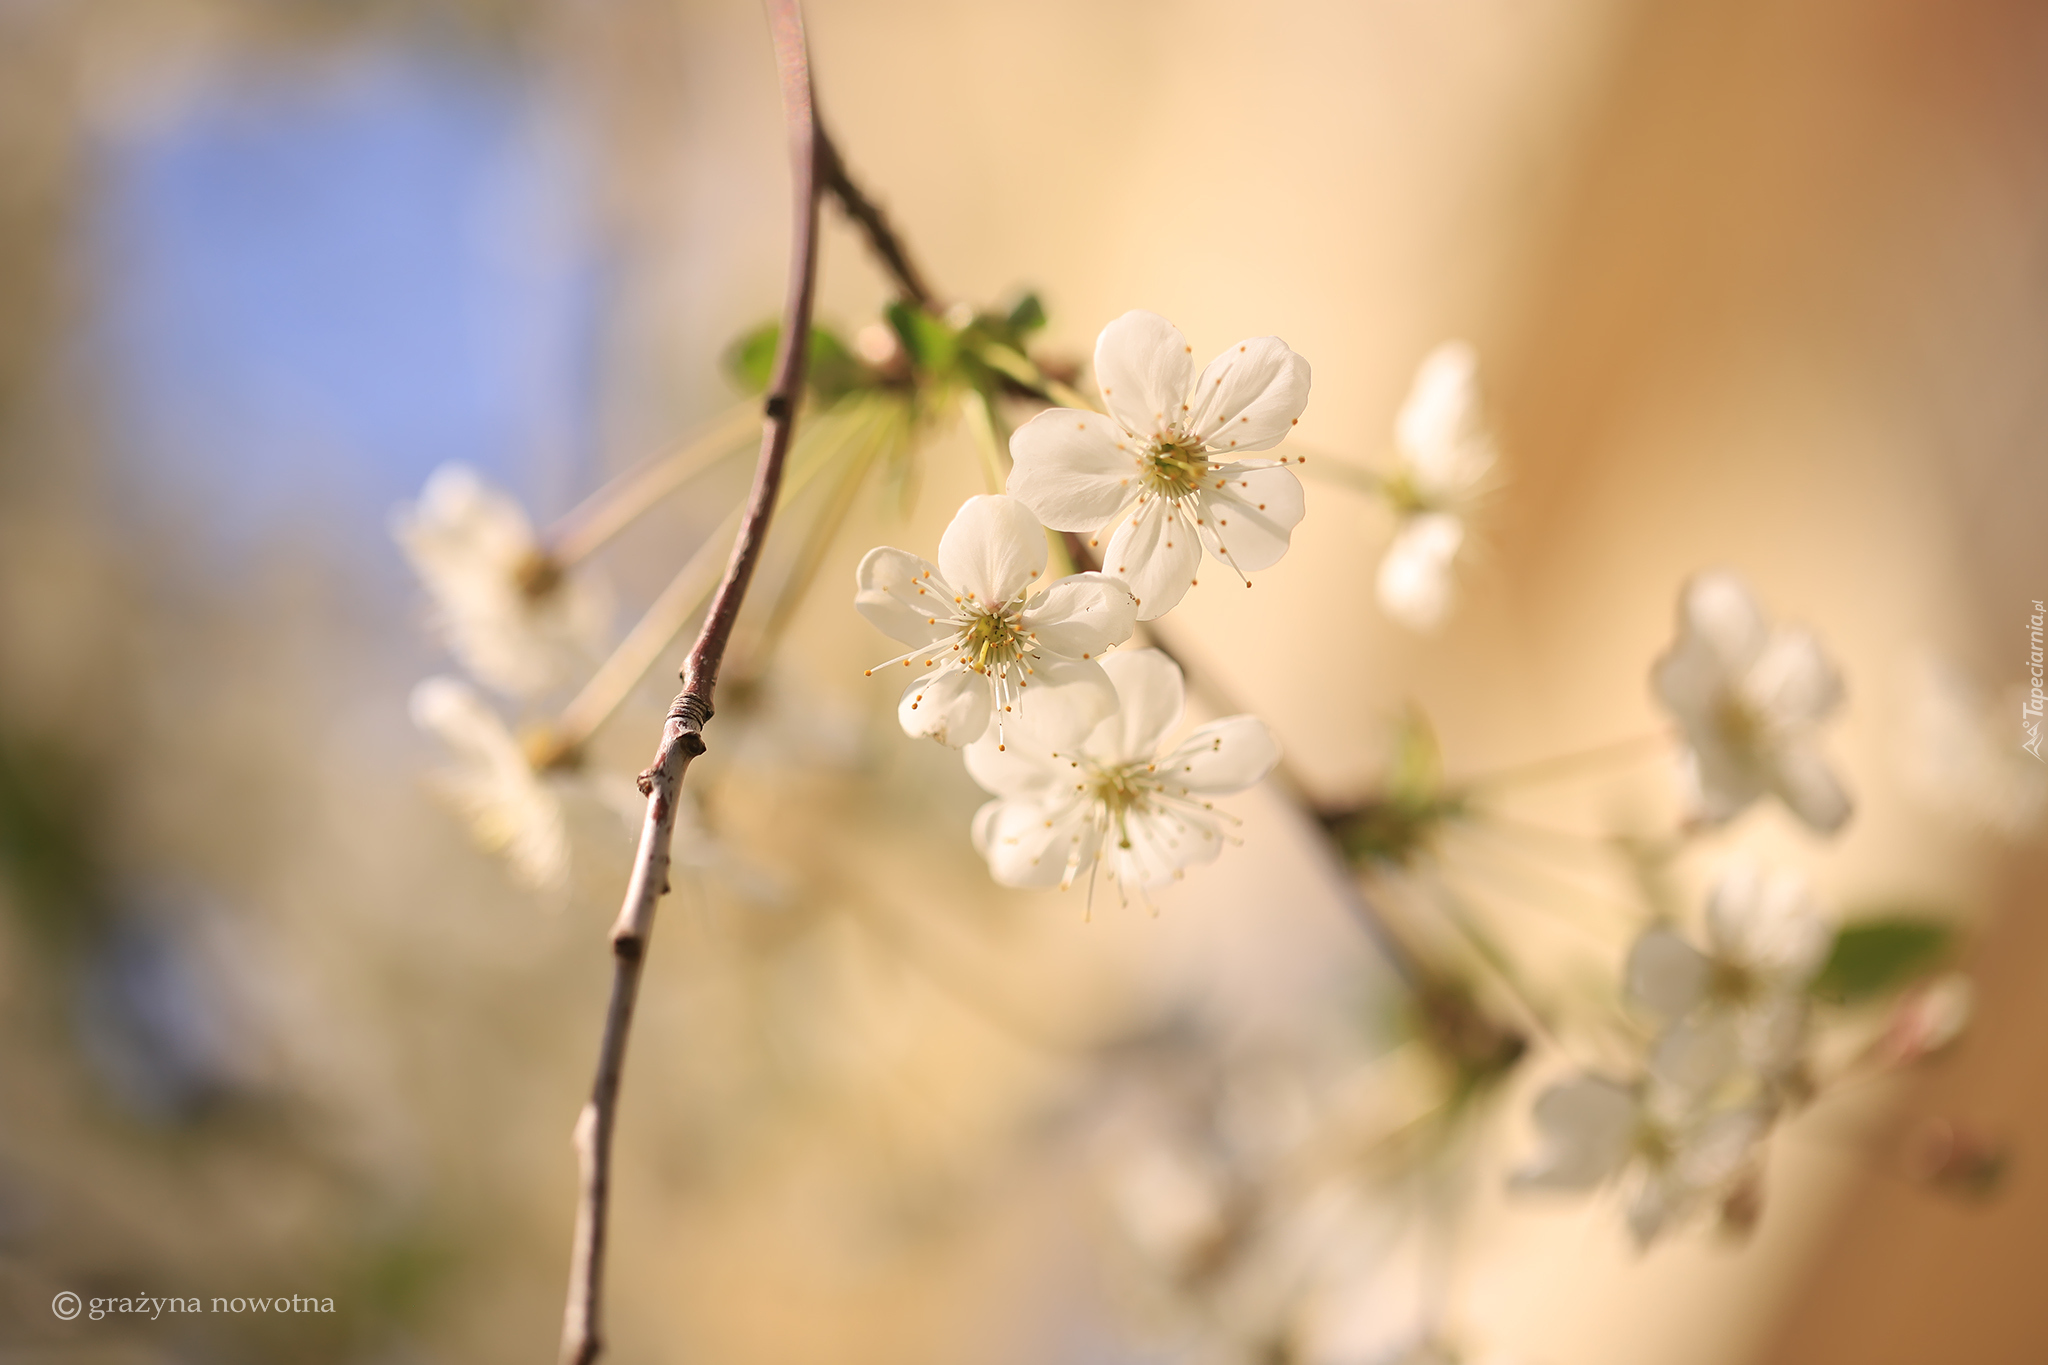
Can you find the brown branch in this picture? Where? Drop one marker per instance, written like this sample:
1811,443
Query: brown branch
682,737
874,225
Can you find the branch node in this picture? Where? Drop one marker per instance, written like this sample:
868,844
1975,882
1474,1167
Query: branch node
629,946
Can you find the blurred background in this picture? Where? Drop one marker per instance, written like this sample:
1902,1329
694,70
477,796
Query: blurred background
1754,284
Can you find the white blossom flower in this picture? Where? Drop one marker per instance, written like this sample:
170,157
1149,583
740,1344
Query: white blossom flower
1750,698
510,808
979,643
1445,455
512,616
1162,475
1664,1137
1120,801
1766,941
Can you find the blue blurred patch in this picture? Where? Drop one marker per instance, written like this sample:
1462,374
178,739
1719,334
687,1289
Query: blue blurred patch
315,284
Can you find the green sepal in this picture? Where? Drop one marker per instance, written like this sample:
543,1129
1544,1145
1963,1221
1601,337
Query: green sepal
1876,955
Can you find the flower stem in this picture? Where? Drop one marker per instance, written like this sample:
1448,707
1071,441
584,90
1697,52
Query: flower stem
620,502
644,645
1559,766
682,730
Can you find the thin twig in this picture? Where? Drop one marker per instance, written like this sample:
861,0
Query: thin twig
682,731
615,506
889,248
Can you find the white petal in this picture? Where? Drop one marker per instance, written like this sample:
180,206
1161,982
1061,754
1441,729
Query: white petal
993,549
1808,786
1246,522
1153,845
1030,843
1151,695
1223,756
1156,552
1586,1125
1249,397
1143,364
1658,1200
1792,683
1025,770
1414,584
891,590
510,808
1061,702
1718,610
1768,923
1440,431
1690,1060
1716,1149
1772,1033
1074,470
951,705
1667,975
1082,616
1720,782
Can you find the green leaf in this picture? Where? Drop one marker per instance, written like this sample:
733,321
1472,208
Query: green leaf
834,370
1877,955
1027,315
930,342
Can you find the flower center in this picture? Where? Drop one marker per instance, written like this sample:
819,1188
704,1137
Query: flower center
1124,788
1654,1143
1175,466
1730,983
1743,728
994,640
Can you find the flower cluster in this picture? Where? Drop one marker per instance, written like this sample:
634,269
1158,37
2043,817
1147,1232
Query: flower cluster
1727,1060
1445,459
1073,744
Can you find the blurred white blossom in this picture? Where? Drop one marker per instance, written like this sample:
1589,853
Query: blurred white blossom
1163,468
1751,698
1766,940
510,808
1663,1137
1445,455
978,642
515,619
1120,801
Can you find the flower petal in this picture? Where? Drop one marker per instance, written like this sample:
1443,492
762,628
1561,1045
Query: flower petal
1440,430
993,549
1156,552
896,597
1768,923
1026,770
1152,846
1586,1124
1151,695
1062,701
1690,1060
1029,843
1414,583
1719,782
1082,616
1793,683
950,705
1074,470
1667,975
1223,756
1721,632
1143,364
1247,521
1808,786
1249,397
